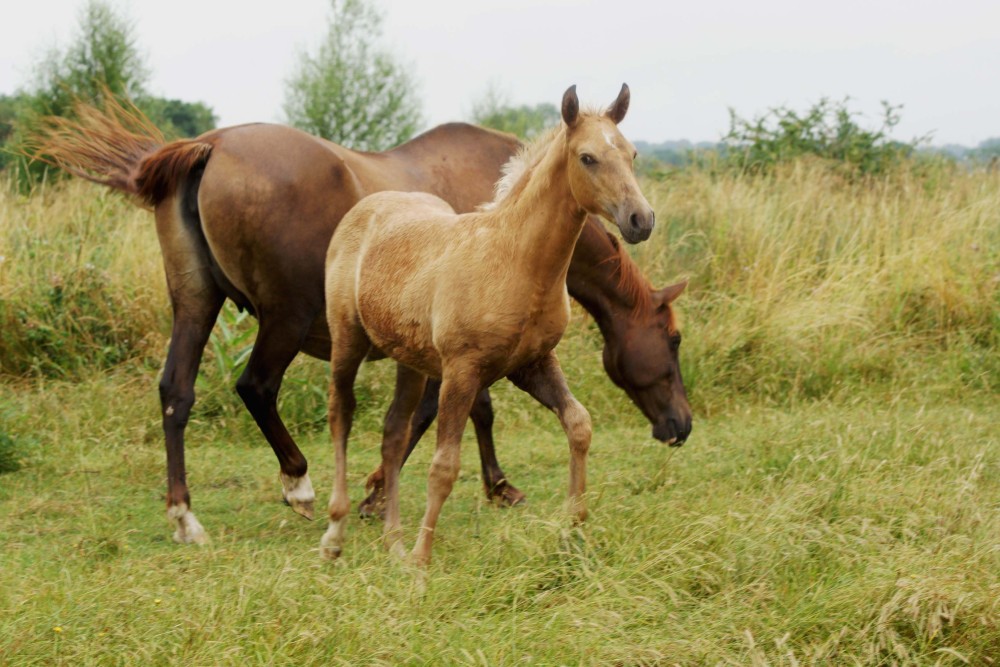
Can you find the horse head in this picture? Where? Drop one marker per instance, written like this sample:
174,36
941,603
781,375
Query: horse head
600,163
641,356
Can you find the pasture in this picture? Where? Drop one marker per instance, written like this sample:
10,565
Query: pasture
838,501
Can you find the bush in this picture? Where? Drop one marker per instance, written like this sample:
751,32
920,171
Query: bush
827,130
10,458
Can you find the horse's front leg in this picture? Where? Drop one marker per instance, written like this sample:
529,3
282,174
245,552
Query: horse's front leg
545,382
498,489
459,387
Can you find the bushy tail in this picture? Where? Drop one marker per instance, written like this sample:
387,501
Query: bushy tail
117,146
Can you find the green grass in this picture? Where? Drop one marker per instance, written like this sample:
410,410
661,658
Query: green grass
863,531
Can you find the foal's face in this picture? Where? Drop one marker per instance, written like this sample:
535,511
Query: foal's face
642,357
600,165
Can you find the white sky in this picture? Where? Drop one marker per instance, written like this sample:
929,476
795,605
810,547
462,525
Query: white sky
686,62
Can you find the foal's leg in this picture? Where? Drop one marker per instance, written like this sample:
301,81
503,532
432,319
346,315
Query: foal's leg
395,436
278,341
498,489
545,381
350,345
458,391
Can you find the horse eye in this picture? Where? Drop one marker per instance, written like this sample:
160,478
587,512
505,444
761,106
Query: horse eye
588,159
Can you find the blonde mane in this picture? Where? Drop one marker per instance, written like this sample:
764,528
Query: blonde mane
516,170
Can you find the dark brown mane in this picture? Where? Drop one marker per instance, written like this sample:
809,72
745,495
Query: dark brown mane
631,281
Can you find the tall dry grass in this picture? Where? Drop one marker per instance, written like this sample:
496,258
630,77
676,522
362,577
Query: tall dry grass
81,283
804,282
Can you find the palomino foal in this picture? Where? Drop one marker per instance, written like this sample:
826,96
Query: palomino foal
471,299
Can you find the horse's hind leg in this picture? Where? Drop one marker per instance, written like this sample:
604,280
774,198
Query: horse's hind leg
196,300
278,341
545,381
495,483
423,417
395,437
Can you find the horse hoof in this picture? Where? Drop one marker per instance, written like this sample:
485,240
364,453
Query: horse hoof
304,509
332,543
189,530
506,495
372,507
297,492
398,551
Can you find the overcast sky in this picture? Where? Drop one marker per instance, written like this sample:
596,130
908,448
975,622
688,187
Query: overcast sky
686,62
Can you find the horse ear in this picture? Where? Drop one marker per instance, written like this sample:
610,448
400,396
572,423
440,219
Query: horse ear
669,293
616,111
570,106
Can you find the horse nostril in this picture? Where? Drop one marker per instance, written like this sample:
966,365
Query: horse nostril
634,220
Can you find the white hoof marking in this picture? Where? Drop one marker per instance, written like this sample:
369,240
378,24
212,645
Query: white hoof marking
331,546
298,493
189,530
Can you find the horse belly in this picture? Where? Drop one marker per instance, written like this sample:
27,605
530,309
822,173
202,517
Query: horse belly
393,313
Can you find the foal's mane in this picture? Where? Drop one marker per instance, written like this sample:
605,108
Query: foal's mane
515,173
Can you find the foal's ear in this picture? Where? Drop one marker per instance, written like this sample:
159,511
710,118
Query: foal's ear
570,106
616,111
669,293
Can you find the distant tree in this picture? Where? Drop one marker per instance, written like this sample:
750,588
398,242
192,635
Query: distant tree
103,58
527,122
177,118
351,91
9,105
986,151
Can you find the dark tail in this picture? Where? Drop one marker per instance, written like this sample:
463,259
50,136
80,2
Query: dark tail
117,146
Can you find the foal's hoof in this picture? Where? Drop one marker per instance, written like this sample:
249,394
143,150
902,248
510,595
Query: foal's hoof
329,553
332,543
505,494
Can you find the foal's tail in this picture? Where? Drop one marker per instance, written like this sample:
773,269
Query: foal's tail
118,146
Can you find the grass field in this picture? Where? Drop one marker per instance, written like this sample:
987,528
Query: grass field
837,503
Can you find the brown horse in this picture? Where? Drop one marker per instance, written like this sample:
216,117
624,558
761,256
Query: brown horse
470,299
269,197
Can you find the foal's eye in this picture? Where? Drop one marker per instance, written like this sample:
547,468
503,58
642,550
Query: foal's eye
588,160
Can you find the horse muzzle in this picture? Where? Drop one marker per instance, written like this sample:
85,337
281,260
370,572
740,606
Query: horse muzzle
636,225
673,432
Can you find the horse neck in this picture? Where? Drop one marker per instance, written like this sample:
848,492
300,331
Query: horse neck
604,280
543,219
